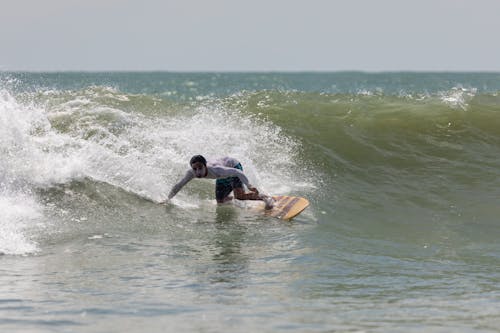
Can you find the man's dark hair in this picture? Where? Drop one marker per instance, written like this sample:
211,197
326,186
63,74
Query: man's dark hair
198,158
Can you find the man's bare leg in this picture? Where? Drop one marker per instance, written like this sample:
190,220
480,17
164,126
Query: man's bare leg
240,194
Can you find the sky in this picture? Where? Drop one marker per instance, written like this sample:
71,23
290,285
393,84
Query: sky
251,35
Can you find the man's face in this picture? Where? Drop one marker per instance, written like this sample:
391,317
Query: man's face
200,170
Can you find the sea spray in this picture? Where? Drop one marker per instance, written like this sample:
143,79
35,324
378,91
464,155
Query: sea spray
20,214
53,139
119,144
20,166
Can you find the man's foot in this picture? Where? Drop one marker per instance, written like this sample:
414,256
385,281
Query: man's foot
269,201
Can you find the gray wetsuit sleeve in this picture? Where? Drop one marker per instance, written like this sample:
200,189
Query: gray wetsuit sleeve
177,187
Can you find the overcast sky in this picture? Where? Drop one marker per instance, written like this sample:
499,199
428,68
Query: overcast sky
251,35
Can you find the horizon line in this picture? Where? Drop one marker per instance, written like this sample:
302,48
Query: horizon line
243,71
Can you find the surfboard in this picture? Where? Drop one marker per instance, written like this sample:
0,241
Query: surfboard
285,207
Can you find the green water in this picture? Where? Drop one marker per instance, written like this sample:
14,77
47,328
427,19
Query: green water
401,170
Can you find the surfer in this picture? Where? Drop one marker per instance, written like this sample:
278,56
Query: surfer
229,176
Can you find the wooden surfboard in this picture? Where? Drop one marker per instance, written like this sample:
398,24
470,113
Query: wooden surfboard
286,207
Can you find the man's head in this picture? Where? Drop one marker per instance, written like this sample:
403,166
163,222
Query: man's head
199,165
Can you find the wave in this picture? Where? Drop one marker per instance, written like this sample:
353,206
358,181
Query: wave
136,143
355,156
415,158
365,126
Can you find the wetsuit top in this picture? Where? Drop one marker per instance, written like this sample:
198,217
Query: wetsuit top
220,168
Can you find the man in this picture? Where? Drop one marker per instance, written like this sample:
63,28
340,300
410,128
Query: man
229,176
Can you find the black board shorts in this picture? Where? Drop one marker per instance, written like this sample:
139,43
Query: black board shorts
224,186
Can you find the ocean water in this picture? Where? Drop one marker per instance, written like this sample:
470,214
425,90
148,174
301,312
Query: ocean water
402,171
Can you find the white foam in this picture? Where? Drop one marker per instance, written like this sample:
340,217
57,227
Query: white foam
132,150
458,97
151,154
33,153
32,156
266,153
18,213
